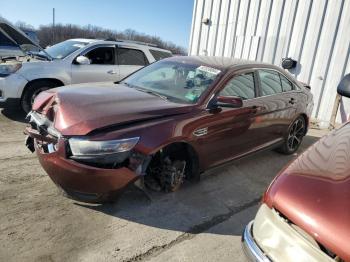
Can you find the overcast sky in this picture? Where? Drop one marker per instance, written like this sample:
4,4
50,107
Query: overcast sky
168,19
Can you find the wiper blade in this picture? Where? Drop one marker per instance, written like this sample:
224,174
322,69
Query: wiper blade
146,90
156,94
152,93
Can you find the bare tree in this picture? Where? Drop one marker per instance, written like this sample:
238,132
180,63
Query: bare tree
68,31
24,26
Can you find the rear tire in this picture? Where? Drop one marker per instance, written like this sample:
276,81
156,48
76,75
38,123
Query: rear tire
294,137
31,92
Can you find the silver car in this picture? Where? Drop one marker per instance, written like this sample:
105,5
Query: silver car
70,62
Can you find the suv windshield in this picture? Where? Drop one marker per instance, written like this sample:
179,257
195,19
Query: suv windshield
178,82
63,49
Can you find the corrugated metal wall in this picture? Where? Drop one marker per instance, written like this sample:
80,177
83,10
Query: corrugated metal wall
314,32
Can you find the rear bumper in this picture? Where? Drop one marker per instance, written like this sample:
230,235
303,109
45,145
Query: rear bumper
82,181
250,247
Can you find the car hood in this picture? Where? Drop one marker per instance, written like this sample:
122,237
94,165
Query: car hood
314,192
80,109
13,36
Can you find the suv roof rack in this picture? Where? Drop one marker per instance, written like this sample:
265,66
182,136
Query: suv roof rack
131,41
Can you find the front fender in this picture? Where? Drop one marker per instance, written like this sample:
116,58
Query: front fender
46,70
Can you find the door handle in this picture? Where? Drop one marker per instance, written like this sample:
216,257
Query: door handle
292,101
111,72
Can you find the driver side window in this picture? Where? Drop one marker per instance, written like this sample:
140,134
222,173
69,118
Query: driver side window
101,56
242,86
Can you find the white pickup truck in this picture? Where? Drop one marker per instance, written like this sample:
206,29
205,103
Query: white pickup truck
70,62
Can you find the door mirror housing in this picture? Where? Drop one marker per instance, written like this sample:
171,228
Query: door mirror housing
344,86
289,63
82,60
228,101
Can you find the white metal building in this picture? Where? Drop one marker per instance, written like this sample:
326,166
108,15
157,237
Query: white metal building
316,33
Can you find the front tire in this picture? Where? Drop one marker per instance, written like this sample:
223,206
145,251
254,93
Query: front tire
32,91
294,137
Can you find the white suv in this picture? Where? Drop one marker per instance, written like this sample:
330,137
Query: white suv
71,62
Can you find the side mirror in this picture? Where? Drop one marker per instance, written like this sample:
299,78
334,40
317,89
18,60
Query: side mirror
344,86
229,101
288,63
82,60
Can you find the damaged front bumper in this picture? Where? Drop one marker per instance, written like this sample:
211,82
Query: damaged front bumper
80,180
271,237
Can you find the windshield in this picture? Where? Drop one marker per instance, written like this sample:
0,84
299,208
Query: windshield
178,82
63,49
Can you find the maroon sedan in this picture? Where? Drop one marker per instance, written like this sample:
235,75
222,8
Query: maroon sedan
166,123
305,214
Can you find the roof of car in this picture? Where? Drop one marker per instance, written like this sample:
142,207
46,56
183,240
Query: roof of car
220,62
84,40
121,42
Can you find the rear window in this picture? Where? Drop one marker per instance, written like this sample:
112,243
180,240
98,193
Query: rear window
158,55
286,84
128,56
270,82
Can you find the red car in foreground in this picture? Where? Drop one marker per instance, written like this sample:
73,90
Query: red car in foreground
167,122
305,214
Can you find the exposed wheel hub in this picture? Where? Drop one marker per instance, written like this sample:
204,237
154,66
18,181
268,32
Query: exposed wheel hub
169,175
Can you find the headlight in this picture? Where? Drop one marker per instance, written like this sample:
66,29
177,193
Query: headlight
8,69
283,241
84,147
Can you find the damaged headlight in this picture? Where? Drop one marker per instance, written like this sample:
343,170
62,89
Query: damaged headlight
8,69
84,147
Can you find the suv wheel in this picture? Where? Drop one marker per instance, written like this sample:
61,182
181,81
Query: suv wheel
295,135
32,91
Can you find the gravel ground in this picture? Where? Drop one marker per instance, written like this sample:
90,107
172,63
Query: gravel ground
201,222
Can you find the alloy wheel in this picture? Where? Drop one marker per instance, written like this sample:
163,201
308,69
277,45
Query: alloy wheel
296,134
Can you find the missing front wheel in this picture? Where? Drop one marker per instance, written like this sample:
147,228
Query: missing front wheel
168,175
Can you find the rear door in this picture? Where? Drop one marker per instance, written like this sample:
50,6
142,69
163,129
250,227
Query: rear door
278,103
102,67
129,60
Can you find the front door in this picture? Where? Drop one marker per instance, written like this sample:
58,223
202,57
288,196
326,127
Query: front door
226,133
102,67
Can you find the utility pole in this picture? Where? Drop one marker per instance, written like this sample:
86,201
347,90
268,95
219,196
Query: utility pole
53,26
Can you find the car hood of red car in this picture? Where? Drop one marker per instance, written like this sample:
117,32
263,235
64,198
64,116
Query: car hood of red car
83,108
314,192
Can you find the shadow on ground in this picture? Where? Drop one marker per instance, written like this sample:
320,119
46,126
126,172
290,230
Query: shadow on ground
221,193
13,112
